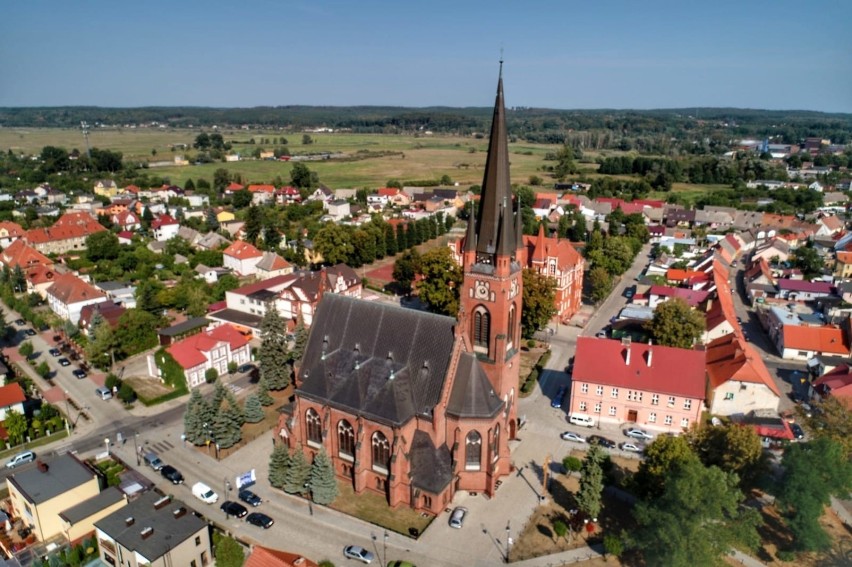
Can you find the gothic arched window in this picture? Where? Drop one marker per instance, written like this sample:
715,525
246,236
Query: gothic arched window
481,330
345,439
473,451
381,452
511,330
313,426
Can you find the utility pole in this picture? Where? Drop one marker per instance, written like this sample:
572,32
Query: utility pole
545,476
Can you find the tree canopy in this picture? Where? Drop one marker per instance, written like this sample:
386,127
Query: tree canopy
442,279
676,324
539,302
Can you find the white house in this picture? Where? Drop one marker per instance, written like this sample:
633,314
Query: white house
242,258
165,227
69,294
208,349
12,397
738,381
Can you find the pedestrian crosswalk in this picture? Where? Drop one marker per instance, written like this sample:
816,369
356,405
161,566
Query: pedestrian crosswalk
159,447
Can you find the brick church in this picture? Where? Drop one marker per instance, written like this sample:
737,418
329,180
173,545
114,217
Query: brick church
413,405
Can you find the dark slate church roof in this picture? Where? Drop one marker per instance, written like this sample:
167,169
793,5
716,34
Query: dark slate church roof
431,467
383,362
472,395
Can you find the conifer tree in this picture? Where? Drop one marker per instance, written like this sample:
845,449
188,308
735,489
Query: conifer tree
219,393
253,410
301,340
194,418
391,246
226,428
273,354
263,393
401,239
323,483
298,473
280,463
591,482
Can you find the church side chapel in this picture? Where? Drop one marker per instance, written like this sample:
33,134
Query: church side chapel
413,405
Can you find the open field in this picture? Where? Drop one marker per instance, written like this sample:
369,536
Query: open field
424,157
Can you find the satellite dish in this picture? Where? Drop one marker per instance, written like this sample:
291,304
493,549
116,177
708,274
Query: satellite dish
716,422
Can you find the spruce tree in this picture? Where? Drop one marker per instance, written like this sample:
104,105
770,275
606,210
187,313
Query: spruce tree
323,483
297,474
280,463
301,340
401,239
253,410
273,354
194,418
391,246
226,428
591,482
219,393
263,393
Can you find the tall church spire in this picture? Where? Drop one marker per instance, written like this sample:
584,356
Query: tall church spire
496,221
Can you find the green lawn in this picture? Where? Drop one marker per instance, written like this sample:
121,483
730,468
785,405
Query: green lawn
373,508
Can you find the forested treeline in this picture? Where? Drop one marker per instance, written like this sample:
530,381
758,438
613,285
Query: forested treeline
650,131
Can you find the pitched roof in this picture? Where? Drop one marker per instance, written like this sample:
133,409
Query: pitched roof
261,188
844,257
826,339
431,467
266,557
11,394
692,297
388,371
388,191
639,366
233,186
677,275
836,382
731,358
19,253
272,262
472,395
68,289
163,220
69,225
803,285
190,351
12,229
832,222
242,250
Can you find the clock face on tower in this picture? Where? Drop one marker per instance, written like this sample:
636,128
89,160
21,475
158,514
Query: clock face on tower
513,291
481,290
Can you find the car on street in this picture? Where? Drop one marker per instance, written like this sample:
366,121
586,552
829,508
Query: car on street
602,441
797,430
250,498
571,436
457,517
20,459
637,433
20,322
55,352
560,395
358,553
243,368
64,362
30,332
632,447
233,509
260,520
172,474
79,374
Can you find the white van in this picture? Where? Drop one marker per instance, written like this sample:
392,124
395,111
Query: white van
20,459
204,493
582,419
103,393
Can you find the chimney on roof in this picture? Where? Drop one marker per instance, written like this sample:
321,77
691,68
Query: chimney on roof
147,532
179,512
650,352
42,466
129,521
162,502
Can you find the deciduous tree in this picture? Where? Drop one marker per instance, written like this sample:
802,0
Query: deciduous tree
600,284
16,425
538,299
442,279
731,447
334,243
665,454
405,269
102,246
676,324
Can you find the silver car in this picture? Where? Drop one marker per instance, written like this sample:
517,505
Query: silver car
457,517
358,553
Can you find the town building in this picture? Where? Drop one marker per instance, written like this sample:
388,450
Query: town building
10,232
12,398
412,405
165,227
242,257
738,381
200,352
67,234
69,294
558,260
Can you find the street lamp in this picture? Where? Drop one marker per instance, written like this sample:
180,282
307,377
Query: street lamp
385,548
67,413
508,539
136,447
106,442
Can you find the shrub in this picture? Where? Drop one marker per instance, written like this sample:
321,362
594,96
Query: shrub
126,393
786,555
210,375
572,464
531,343
112,381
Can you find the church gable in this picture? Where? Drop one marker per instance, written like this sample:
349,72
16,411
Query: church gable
384,362
472,395
431,467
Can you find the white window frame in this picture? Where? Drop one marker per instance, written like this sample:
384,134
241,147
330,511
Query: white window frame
671,400
655,399
687,404
614,393
684,422
612,410
599,390
668,420
582,406
652,417
584,388
598,407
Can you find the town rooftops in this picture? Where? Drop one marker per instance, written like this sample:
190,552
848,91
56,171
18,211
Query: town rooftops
731,358
640,366
242,250
11,394
19,253
805,286
68,289
57,476
828,339
85,509
69,226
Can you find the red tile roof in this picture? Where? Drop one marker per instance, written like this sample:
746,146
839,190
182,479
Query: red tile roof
836,382
19,253
163,220
124,218
388,191
12,229
234,187
827,339
69,225
731,358
651,368
242,250
844,257
540,247
190,351
261,188
265,557
68,289
11,394
692,297
676,275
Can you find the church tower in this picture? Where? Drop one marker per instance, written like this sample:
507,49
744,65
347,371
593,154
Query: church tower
491,292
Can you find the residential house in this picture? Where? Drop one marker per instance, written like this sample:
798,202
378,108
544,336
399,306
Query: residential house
379,199
675,215
12,398
288,195
225,216
747,220
40,493
78,521
197,200
837,197
770,184
802,342
155,531
123,293
190,235
262,194
199,353
127,220
715,218
271,265
321,193
658,387
108,310
836,383
659,293
242,258
106,188
760,281
10,232
738,381
843,265
211,275
558,260
211,241
69,294
68,233
772,250
720,315
232,188
337,209
165,227
801,290
829,226
266,557
20,254
182,330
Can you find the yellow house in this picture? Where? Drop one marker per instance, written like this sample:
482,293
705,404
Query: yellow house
225,216
79,521
843,266
106,188
40,492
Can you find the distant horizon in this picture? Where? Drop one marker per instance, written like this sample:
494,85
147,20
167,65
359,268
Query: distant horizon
561,56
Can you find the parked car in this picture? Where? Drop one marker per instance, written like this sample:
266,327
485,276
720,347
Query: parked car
260,520
560,395
172,474
637,433
153,461
358,553
20,322
797,430
250,498
103,393
602,441
204,493
30,332
243,368
233,509
55,352
457,517
20,459
79,374
632,447
64,362
571,436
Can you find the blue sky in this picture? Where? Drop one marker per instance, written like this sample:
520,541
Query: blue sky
559,54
